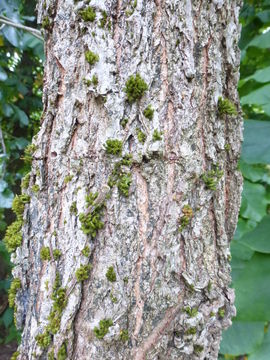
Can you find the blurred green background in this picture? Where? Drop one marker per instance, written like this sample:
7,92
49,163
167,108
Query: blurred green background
21,58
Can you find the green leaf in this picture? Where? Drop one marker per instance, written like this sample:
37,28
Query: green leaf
3,74
6,198
8,317
260,96
242,338
255,172
254,201
259,239
256,146
253,291
262,353
21,116
261,75
261,41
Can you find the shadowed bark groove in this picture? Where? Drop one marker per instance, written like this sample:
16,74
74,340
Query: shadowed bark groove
158,282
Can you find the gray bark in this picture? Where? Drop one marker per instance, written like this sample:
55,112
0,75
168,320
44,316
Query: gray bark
187,53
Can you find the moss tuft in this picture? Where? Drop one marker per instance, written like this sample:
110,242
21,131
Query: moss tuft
124,335
103,20
110,274
114,147
140,135
14,287
15,355
68,178
192,312
73,208
186,217
56,253
28,153
103,329
135,88
45,253
88,14
62,353
25,181
18,204
91,222
13,236
91,57
212,177
226,107
191,331
124,183
35,188
198,348
221,313
83,272
149,112
44,340
86,251
124,122
157,136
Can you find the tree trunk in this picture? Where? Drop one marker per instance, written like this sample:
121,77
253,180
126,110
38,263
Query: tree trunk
157,233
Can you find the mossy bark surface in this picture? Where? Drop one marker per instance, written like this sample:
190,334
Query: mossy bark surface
154,281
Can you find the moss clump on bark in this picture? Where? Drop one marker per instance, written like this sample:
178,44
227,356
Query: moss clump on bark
18,204
73,208
110,274
124,183
45,253
83,272
186,217
157,136
123,336
88,14
15,355
62,353
141,136
192,312
28,153
226,107
86,251
43,340
35,188
13,237
114,147
103,328
91,57
149,112
212,177
91,221
25,181
135,88
14,287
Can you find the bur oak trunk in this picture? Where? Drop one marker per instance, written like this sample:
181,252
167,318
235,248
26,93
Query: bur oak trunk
144,267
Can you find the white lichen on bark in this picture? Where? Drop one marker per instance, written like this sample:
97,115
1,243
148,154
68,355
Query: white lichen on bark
171,292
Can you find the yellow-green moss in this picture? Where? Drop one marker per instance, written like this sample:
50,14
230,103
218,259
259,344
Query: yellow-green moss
35,188
103,20
149,112
18,204
88,14
186,217
56,253
157,136
62,353
86,251
14,287
124,183
43,340
114,147
91,57
45,253
103,328
110,274
83,272
68,178
73,208
124,335
135,88
140,135
191,331
192,312
91,222
212,177
15,355
13,236
25,181
124,122
28,153
226,107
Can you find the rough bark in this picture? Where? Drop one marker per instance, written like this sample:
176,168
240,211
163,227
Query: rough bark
171,292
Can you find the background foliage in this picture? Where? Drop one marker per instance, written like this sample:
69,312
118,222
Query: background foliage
21,56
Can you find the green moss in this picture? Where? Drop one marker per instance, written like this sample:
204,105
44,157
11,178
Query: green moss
54,322
191,331
35,188
91,57
135,88
103,328
125,279
91,222
226,107
211,178
198,348
123,336
25,181
140,135
73,208
113,298
86,251
157,136
44,340
124,122
62,353
15,355
14,287
114,147
124,183
103,20
209,286
221,312
227,147
186,217
88,14
94,80
46,23
68,178
59,303
45,253
28,153
47,285
192,312
13,236
56,253
83,272
110,274
149,112
51,355
18,204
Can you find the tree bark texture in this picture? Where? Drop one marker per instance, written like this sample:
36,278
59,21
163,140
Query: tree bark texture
167,242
